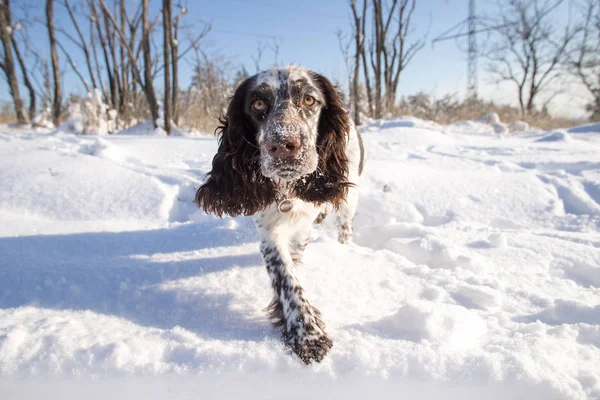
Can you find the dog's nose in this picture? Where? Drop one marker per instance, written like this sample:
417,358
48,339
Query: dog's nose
283,149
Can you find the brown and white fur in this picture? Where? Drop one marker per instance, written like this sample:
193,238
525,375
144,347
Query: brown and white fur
287,137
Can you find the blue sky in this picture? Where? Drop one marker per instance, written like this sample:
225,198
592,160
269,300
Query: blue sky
306,32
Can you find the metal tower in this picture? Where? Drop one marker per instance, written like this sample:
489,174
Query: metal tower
472,65
472,32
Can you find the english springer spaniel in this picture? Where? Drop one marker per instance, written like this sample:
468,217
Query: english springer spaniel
287,151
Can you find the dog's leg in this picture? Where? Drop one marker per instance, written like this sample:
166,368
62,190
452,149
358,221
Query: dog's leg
321,217
298,245
303,329
301,323
345,215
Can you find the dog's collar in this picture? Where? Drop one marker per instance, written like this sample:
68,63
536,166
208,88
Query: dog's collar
285,202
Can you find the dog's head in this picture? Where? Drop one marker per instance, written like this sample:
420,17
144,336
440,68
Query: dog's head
284,128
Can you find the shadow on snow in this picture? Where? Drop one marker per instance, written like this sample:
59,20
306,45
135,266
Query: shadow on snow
113,273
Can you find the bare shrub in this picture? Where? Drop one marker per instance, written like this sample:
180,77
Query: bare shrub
208,95
449,109
7,114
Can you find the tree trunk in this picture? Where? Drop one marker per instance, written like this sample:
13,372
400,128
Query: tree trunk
103,45
125,91
130,65
8,64
111,61
376,57
57,97
167,10
145,82
521,101
366,73
28,85
175,61
355,98
148,85
93,19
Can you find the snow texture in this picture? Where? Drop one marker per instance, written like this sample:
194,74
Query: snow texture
475,271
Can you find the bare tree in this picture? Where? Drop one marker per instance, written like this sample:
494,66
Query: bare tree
95,23
345,45
81,43
57,96
260,49
7,63
123,69
527,49
21,46
115,46
388,48
74,66
359,48
584,62
376,48
146,83
194,39
26,80
40,75
167,41
210,90
391,56
398,53
112,62
275,46
175,61
360,20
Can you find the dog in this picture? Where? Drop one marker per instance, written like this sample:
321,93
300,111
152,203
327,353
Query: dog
288,152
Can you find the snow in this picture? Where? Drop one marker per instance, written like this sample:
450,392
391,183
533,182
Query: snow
588,128
559,136
475,271
490,118
147,128
90,116
518,126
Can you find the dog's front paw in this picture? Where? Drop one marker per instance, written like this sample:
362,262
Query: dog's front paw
306,336
312,347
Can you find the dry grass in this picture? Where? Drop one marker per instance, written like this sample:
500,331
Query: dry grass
195,119
199,108
7,119
7,114
448,109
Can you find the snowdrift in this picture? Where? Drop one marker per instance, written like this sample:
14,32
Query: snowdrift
475,271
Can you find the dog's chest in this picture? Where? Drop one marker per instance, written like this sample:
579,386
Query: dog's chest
300,216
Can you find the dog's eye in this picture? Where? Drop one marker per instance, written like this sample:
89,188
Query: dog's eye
308,100
259,105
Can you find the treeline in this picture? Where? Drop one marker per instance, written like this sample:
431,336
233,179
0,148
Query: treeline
120,43
120,51
527,44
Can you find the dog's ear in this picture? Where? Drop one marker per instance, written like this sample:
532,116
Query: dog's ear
329,184
235,185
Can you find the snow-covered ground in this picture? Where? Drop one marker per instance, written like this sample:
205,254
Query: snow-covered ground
475,272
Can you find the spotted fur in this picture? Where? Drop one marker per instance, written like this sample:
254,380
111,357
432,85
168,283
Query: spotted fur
319,172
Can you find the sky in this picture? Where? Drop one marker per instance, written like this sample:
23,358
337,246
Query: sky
306,34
